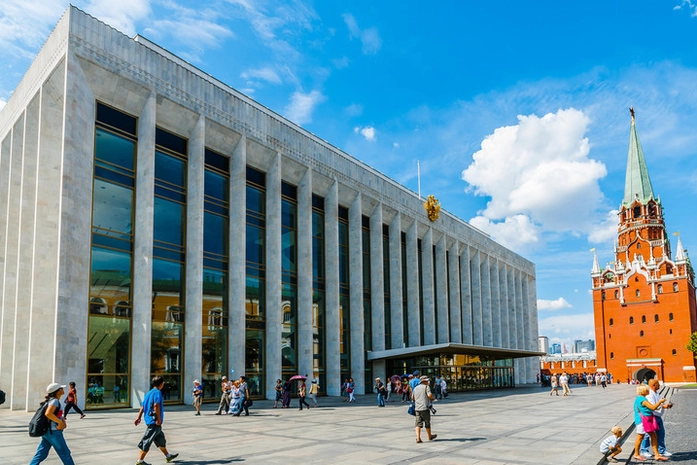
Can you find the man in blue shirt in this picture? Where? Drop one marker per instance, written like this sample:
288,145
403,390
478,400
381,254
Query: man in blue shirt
154,408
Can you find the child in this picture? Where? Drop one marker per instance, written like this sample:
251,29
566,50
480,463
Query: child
610,445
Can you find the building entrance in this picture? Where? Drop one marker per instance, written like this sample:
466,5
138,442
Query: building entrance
644,374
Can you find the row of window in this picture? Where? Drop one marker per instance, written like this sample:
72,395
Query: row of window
673,352
643,319
637,292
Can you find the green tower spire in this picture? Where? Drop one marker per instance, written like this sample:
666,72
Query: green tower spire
637,184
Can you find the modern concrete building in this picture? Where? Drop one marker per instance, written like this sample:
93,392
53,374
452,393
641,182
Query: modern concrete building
155,221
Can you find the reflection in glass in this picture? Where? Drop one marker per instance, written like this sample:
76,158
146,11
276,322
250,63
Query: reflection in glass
107,361
113,209
255,331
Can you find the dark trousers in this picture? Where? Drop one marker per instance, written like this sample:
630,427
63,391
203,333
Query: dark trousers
301,401
69,405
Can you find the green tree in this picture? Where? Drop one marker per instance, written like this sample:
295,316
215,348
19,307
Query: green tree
692,344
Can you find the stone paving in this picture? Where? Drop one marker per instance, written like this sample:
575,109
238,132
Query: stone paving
516,426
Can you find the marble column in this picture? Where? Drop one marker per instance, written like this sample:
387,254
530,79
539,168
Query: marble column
333,324
533,362
486,302
396,291
237,263
505,307
274,296
142,252
454,289
357,325
304,267
466,295
495,302
441,292
377,283
476,274
512,308
429,301
193,336
413,272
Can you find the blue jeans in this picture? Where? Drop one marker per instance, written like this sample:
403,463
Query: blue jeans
381,400
56,440
661,434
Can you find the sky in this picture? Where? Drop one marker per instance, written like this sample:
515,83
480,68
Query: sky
517,113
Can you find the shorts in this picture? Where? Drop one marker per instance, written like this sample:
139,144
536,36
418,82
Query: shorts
423,419
153,434
640,429
197,401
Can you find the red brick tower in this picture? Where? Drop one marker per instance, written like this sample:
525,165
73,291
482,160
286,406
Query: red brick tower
644,303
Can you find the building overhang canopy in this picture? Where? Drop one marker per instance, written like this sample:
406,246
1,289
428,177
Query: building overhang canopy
450,349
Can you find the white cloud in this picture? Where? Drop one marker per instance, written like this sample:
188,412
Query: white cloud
301,106
354,109
539,168
557,304
24,25
689,6
605,230
395,145
265,74
567,328
3,102
368,132
370,38
516,232
122,14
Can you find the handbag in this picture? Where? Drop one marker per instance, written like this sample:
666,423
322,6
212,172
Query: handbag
649,423
249,402
412,409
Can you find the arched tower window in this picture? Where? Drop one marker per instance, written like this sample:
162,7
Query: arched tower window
612,355
631,320
655,318
675,352
638,245
603,294
660,288
637,293
675,287
637,212
617,294
641,333
612,322
670,316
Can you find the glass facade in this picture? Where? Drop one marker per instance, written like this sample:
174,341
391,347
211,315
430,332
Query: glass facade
169,263
255,318
319,337
386,285
367,307
289,276
215,310
344,286
111,271
405,290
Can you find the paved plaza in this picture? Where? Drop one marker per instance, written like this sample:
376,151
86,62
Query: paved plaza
516,426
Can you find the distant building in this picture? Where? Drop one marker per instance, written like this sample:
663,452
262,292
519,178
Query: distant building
555,349
584,346
575,363
543,344
644,302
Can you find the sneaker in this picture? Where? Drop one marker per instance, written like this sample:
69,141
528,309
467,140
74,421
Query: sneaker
141,462
612,460
666,454
171,457
647,455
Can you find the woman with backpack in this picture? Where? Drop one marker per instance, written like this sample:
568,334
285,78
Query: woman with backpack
54,436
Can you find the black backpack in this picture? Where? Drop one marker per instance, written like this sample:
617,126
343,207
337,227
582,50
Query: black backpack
2,397
39,424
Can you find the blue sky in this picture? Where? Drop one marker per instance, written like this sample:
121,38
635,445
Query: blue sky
517,111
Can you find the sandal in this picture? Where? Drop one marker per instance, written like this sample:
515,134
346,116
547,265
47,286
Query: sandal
639,458
661,458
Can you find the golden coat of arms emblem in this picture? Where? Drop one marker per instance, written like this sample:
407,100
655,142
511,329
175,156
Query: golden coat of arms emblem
432,206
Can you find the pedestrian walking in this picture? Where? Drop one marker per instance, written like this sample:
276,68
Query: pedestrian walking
54,436
287,390
71,401
244,397
422,397
302,391
564,381
349,389
382,392
154,409
197,393
279,393
555,385
314,390
224,405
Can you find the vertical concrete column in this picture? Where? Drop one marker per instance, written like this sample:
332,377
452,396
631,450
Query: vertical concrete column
274,296
466,295
6,319
413,307
512,308
396,291
238,254
142,252
533,362
377,283
194,256
520,332
331,259
477,307
486,301
441,292
429,301
304,266
357,325
495,302
454,289
505,307
526,326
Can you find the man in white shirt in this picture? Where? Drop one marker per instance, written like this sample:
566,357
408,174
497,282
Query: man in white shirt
422,397
653,397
